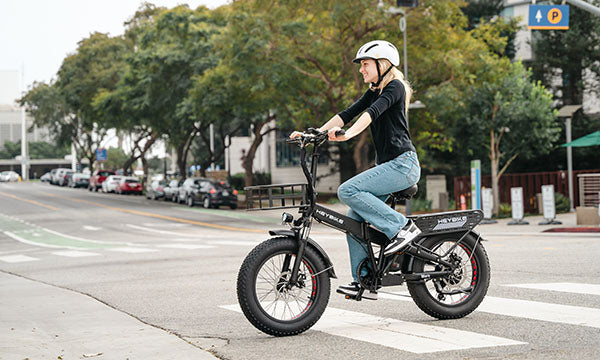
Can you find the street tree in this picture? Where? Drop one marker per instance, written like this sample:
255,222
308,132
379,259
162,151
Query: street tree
514,116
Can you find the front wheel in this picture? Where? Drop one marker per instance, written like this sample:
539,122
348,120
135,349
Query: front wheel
266,299
458,294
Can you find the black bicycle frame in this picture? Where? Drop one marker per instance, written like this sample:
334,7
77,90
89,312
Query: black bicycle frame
431,224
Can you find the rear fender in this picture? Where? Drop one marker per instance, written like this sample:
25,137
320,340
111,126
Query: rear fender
311,243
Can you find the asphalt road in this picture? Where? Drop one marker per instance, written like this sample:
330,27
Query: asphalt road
174,268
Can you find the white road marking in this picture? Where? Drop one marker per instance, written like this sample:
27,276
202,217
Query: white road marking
233,242
564,314
75,253
576,288
185,246
402,335
164,232
91,228
535,310
132,250
17,258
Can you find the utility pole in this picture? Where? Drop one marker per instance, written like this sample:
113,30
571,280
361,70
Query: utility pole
24,156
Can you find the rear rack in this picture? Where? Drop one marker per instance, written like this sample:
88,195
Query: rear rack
277,196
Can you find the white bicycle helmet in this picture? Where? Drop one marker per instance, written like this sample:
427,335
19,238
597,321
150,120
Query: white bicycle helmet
375,50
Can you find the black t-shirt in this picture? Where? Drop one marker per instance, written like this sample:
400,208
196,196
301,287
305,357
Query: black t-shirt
388,120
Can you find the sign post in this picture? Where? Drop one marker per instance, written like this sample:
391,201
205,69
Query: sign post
548,205
101,155
516,200
487,203
475,184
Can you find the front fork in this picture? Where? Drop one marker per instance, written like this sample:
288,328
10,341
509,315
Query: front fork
301,236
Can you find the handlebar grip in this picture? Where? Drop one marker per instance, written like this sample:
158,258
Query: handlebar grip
340,132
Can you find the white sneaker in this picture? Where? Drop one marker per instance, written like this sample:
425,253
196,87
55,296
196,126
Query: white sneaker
404,236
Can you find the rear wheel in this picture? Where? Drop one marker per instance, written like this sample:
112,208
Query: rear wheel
265,297
190,201
206,203
458,294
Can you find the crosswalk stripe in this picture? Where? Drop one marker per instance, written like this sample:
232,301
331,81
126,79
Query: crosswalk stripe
535,310
186,246
576,288
564,314
17,258
402,335
74,253
132,250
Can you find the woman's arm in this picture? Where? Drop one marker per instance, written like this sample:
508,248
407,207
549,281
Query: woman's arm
359,126
336,120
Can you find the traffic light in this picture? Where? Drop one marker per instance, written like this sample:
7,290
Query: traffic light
407,3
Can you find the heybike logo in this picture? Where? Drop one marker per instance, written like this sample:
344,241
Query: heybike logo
451,222
330,217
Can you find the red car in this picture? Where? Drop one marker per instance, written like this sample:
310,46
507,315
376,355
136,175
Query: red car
129,185
98,178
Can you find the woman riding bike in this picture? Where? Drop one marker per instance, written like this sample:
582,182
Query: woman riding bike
397,167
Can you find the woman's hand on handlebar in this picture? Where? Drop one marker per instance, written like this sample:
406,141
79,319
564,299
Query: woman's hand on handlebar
295,134
337,134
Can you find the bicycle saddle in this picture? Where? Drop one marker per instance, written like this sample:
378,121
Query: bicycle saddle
407,193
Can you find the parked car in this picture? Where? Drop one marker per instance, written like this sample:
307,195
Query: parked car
79,180
110,183
9,176
46,177
98,178
172,189
155,189
207,192
63,177
129,185
57,174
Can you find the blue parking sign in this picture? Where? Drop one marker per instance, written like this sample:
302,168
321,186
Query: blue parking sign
101,154
548,17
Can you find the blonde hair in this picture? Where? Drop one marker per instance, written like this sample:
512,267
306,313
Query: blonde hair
393,74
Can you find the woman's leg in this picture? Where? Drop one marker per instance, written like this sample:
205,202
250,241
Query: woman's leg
362,192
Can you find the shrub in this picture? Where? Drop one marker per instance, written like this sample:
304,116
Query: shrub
504,211
238,181
561,202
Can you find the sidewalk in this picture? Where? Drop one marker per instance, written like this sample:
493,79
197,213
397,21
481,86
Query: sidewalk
39,321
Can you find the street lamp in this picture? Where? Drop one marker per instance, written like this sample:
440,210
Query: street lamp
567,112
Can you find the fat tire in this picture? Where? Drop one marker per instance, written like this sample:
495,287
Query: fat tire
247,296
429,305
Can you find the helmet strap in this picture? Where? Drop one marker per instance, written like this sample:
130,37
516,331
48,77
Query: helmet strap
379,75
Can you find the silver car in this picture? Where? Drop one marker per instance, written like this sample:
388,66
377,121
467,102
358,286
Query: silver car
9,176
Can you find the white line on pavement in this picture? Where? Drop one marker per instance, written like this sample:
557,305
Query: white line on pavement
402,335
233,242
164,232
75,253
17,258
576,288
91,228
132,250
535,310
185,246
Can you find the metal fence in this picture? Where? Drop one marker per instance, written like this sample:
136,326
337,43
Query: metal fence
589,189
530,182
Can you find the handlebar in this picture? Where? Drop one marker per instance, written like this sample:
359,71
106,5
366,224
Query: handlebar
312,135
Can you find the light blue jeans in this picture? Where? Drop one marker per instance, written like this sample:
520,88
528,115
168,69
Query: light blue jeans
365,194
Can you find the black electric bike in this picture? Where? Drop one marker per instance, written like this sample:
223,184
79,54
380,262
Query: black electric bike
283,285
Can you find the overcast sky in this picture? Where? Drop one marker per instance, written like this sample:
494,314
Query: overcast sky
38,34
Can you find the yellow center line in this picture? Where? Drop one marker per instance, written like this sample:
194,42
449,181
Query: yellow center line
165,217
29,201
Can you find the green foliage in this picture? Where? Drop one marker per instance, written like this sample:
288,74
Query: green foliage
505,211
36,150
561,202
237,181
115,157
420,205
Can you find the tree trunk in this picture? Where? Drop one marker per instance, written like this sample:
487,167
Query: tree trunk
249,159
361,152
